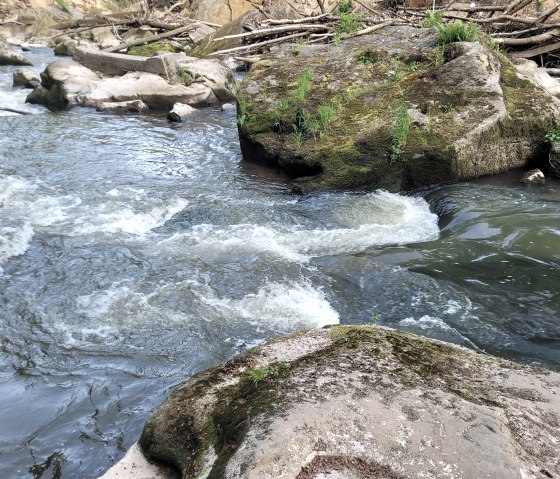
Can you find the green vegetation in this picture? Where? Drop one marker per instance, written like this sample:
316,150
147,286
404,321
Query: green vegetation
457,32
263,372
433,19
63,6
367,58
149,49
553,135
400,131
185,76
303,85
349,22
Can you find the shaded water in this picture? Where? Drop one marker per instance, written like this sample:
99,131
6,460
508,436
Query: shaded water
134,253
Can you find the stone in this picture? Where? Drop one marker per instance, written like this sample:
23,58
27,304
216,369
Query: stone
121,63
531,71
132,106
223,12
26,78
9,57
66,47
199,83
391,110
228,108
533,177
554,159
363,402
179,112
134,465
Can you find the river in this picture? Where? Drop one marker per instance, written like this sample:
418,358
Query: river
135,252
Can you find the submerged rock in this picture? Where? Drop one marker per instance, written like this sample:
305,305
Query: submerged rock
533,177
391,110
360,402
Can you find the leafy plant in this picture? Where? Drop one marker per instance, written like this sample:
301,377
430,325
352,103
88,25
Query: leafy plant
63,6
433,19
440,56
261,373
325,114
344,7
185,76
367,58
375,317
414,66
241,119
303,84
553,135
457,32
400,131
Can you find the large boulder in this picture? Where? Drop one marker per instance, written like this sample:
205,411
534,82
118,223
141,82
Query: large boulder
392,110
66,83
360,402
222,12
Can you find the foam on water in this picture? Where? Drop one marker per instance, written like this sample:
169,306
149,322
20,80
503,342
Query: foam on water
126,219
378,219
274,307
279,305
14,241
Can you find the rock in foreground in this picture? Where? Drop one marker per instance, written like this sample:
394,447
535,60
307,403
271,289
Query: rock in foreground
392,110
360,402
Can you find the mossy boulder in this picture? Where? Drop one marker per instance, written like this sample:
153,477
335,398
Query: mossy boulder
391,110
151,48
360,401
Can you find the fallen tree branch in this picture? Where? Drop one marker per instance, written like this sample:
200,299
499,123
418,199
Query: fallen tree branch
271,31
253,46
533,52
543,37
13,110
142,41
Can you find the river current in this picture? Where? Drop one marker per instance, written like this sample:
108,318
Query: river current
135,252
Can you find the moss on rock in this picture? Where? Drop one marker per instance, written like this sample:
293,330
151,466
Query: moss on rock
265,408
464,113
149,49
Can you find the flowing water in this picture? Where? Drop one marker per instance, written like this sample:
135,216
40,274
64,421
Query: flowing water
134,253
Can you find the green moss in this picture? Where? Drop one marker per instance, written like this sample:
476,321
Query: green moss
150,48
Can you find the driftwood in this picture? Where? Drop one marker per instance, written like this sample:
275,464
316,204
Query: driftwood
152,39
13,110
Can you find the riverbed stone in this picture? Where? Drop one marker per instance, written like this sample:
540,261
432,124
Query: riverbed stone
198,83
26,78
132,106
180,112
352,400
533,177
9,57
391,110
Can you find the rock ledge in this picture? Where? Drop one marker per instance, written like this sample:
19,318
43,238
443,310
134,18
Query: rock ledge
360,402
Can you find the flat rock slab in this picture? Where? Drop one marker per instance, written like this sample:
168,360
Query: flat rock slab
361,402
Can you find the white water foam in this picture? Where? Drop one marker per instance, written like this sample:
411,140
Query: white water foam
14,241
281,306
275,306
378,219
126,220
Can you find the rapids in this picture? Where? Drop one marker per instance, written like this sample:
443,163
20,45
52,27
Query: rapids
134,253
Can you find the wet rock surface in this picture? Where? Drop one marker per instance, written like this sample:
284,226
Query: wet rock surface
360,402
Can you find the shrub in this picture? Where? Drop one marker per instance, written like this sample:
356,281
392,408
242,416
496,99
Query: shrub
457,32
